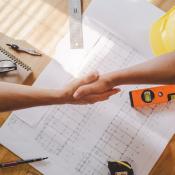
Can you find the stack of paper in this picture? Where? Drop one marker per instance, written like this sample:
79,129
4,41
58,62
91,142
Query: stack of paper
81,139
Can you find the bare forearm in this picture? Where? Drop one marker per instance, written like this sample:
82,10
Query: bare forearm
14,97
155,71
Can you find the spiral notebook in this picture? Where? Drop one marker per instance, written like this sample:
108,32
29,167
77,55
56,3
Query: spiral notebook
17,76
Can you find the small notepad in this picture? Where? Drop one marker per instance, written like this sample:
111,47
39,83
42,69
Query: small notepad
17,76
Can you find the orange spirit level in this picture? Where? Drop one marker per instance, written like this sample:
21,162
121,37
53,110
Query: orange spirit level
155,95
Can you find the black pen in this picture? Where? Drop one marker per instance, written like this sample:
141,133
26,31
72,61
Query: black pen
18,162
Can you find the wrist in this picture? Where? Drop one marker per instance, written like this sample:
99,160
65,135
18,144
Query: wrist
117,78
123,77
60,97
53,97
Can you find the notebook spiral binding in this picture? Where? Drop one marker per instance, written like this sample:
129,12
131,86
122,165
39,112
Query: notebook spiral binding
15,59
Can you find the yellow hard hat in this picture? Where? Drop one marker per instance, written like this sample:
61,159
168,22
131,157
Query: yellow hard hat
162,34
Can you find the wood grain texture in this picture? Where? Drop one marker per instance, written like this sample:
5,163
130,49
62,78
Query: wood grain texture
42,24
37,64
164,4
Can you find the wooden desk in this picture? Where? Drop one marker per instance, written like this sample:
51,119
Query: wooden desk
165,165
37,64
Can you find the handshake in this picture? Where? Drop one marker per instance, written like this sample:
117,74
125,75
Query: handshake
89,90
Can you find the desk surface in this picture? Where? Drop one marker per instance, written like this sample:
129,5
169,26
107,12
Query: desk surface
166,163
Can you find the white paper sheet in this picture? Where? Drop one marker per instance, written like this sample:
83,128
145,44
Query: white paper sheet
81,139
49,78
131,19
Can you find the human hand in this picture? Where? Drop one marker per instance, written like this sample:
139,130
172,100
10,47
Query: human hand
100,86
88,98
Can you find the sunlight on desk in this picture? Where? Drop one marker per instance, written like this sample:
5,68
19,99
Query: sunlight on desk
43,22
38,22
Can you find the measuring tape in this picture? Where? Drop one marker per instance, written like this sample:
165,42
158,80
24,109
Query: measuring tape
120,168
76,31
154,95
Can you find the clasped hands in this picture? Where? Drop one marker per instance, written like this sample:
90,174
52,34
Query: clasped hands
89,90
